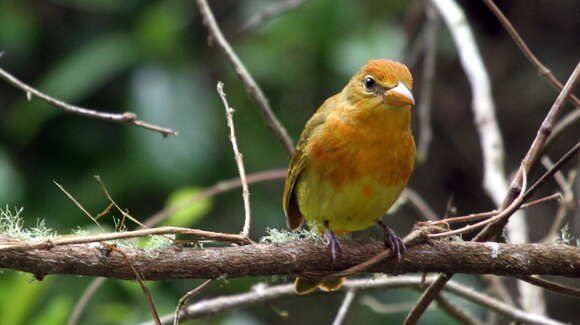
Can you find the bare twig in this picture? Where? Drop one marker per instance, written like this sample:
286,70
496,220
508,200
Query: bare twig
78,204
487,214
424,107
127,117
462,316
564,123
84,300
344,307
70,240
420,204
239,161
426,298
566,206
550,285
542,69
498,288
494,180
269,13
139,278
220,187
514,205
381,308
514,194
110,198
252,87
533,153
185,299
263,295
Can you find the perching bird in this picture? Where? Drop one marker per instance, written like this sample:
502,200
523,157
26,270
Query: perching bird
354,158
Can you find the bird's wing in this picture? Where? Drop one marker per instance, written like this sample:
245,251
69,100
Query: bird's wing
294,217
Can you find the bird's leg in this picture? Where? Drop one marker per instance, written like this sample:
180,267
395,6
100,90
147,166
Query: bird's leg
394,242
331,241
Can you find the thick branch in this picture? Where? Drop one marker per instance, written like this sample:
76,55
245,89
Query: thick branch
293,257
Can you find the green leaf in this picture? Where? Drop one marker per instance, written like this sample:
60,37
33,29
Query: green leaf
190,213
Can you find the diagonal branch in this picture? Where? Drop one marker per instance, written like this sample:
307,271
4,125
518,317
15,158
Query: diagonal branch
542,69
252,86
127,117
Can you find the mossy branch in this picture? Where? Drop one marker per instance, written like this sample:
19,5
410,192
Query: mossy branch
291,258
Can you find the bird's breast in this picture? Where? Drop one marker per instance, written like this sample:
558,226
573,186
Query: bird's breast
352,148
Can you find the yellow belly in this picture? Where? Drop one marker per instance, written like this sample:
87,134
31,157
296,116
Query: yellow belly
356,170
353,207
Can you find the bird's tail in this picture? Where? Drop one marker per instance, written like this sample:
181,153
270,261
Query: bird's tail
304,286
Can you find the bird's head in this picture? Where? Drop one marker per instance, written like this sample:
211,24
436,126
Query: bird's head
382,82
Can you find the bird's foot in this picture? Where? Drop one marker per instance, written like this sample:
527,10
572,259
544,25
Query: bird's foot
332,242
394,242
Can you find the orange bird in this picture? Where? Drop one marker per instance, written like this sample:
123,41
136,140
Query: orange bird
354,158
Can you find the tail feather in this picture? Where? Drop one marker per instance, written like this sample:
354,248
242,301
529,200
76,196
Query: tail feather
304,286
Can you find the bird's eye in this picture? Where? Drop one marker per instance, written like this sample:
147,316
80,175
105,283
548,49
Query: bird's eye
369,83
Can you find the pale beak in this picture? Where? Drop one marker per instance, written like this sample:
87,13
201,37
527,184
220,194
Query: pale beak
399,96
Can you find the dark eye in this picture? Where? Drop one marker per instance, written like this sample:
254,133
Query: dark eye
369,83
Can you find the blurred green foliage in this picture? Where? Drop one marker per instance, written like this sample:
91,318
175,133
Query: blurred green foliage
153,58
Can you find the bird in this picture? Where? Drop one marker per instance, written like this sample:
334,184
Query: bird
354,158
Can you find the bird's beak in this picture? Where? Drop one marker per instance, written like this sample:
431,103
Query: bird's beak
399,96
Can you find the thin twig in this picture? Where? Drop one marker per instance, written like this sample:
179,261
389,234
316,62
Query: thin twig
48,243
550,285
252,87
487,214
78,204
139,278
424,107
494,180
533,153
515,204
84,300
264,295
344,307
421,205
127,117
220,187
499,289
185,299
566,206
462,316
542,69
563,124
110,198
262,17
381,308
426,298
239,161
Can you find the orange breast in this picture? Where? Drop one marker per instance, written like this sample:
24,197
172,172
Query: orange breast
366,144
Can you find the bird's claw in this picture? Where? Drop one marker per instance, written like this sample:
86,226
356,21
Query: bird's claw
394,242
332,243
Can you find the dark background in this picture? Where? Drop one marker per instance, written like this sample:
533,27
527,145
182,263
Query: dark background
153,58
